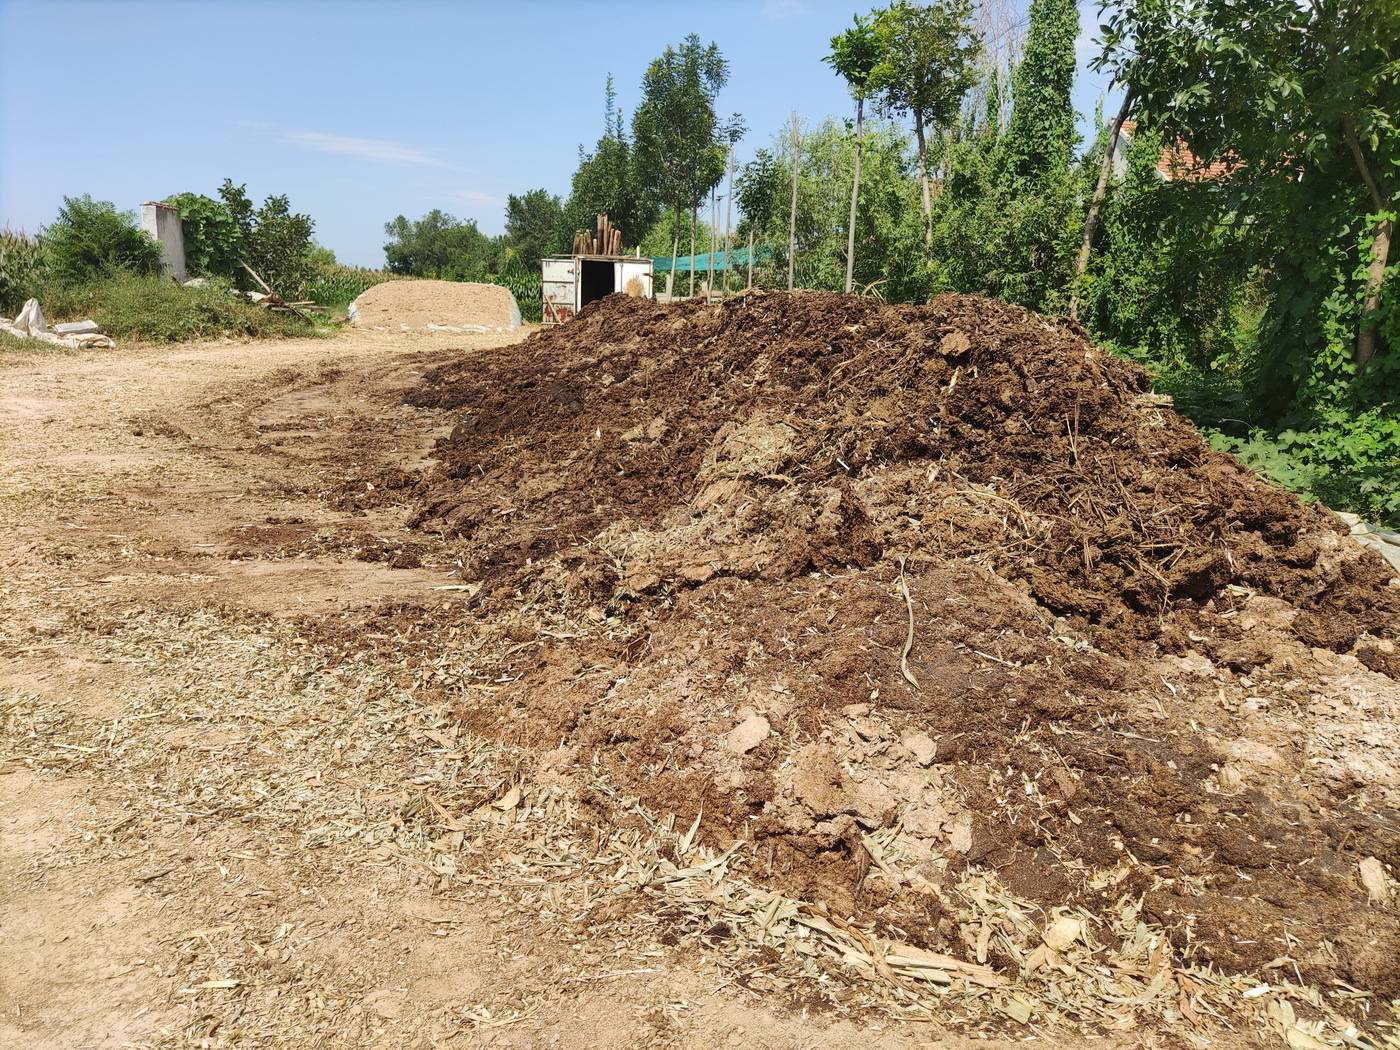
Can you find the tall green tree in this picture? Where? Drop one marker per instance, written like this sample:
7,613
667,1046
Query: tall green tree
926,70
438,245
609,181
1299,103
1011,225
1040,138
680,142
274,240
535,226
855,53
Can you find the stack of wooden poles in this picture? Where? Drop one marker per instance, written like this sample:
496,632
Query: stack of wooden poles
607,240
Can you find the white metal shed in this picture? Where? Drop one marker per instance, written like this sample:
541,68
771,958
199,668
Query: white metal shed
571,282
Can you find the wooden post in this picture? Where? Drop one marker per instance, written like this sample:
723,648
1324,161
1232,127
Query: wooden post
792,216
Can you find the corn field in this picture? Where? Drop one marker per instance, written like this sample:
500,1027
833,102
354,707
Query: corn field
337,285
526,284
21,264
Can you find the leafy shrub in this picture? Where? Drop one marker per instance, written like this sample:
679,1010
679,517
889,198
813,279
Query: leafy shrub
1349,461
91,239
278,242
221,235
213,241
438,246
157,310
21,269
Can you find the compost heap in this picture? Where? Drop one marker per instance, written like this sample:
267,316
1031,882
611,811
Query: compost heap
902,593
445,305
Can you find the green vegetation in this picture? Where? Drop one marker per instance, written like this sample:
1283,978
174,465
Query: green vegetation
438,246
854,55
1278,266
889,217
681,144
95,262
222,235
335,286
926,68
525,283
609,181
92,238
157,310
21,269
213,240
535,226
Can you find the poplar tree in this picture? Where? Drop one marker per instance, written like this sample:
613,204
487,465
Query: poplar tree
926,70
680,142
1040,138
855,54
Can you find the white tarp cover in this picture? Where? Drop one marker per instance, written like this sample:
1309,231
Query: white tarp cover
76,335
31,318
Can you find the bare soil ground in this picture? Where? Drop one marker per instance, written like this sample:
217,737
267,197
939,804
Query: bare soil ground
256,789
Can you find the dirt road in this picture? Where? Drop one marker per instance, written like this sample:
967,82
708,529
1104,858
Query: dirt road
216,829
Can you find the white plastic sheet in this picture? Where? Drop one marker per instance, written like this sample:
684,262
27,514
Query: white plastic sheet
76,335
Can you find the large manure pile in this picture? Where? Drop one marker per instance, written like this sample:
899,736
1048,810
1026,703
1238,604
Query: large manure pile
901,594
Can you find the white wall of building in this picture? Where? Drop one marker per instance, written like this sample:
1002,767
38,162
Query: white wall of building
162,222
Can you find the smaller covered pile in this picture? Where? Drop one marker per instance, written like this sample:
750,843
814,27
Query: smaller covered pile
436,306
76,335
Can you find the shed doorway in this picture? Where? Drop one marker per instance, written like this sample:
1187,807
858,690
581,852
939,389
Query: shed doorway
597,280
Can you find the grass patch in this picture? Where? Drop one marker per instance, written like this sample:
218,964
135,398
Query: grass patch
157,310
13,344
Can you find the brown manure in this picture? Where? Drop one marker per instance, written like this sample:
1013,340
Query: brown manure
902,593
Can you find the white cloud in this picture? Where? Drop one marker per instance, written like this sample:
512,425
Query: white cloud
475,197
777,10
384,151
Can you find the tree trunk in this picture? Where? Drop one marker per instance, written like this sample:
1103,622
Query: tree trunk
710,260
792,216
750,284
1375,276
1380,254
923,180
691,293
728,216
1091,222
855,196
675,247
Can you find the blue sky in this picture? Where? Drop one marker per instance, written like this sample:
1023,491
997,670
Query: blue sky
361,111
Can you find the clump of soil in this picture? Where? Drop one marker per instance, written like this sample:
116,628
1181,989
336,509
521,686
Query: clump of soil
452,305
897,592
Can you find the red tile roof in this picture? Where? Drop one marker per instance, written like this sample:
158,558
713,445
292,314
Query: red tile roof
1178,162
